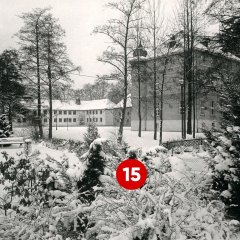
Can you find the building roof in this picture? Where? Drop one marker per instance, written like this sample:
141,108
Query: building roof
71,105
198,47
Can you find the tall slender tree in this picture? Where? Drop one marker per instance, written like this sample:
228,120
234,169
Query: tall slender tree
153,35
30,37
56,64
44,57
119,30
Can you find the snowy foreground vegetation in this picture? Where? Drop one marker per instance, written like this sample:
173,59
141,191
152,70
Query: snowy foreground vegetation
59,192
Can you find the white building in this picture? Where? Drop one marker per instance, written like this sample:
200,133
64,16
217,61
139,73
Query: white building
75,113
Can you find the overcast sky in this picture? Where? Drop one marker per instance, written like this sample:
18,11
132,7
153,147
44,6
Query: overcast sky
78,18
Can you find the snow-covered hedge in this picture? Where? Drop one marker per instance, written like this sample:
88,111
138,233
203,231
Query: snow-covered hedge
172,205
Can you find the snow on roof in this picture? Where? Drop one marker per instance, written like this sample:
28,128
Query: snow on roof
71,105
129,102
97,104
198,47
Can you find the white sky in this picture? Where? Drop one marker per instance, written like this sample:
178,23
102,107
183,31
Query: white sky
78,18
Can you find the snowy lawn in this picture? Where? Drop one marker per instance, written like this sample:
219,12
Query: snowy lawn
131,137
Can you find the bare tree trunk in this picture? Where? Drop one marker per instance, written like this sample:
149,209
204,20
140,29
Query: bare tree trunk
161,97
188,73
139,102
184,75
120,131
154,81
193,72
38,84
49,73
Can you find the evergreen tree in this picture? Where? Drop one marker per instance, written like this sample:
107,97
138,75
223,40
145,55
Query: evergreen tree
5,127
91,135
224,146
95,168
11,86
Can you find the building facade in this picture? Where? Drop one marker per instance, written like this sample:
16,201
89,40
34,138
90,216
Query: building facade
206,99
72,113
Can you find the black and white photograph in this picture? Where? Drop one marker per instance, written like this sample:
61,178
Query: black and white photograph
119,119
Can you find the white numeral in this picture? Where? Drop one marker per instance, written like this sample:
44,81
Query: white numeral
135,176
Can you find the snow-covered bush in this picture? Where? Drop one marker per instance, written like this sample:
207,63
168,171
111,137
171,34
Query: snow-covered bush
224,148
94,168
166,207
43,199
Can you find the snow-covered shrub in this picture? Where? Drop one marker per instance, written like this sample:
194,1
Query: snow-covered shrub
224,148
44,201
91,134
164,208
5,127
71,145
95,158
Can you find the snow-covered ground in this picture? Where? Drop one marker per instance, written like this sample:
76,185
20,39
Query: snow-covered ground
131,137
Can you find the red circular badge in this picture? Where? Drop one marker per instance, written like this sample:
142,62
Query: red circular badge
131,174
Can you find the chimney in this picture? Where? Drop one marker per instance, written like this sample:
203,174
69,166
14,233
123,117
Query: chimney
78,101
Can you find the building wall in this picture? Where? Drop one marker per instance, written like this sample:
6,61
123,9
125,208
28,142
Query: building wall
109,113
64,118
97,116
206,101
117,116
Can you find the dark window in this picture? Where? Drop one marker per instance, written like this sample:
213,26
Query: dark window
24,120
55,111
74,120
90,112
55,120
93,111
74,112
35,113
90,119
96,111
93,119
60,120
87,119
60,112
70,112
70,120
87,111
65,112
44,112
96,119
19,120
100,119
65,119
45,119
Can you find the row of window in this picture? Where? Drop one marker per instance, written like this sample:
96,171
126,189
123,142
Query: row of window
60,112
62,120
65,112
94,111
94,119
